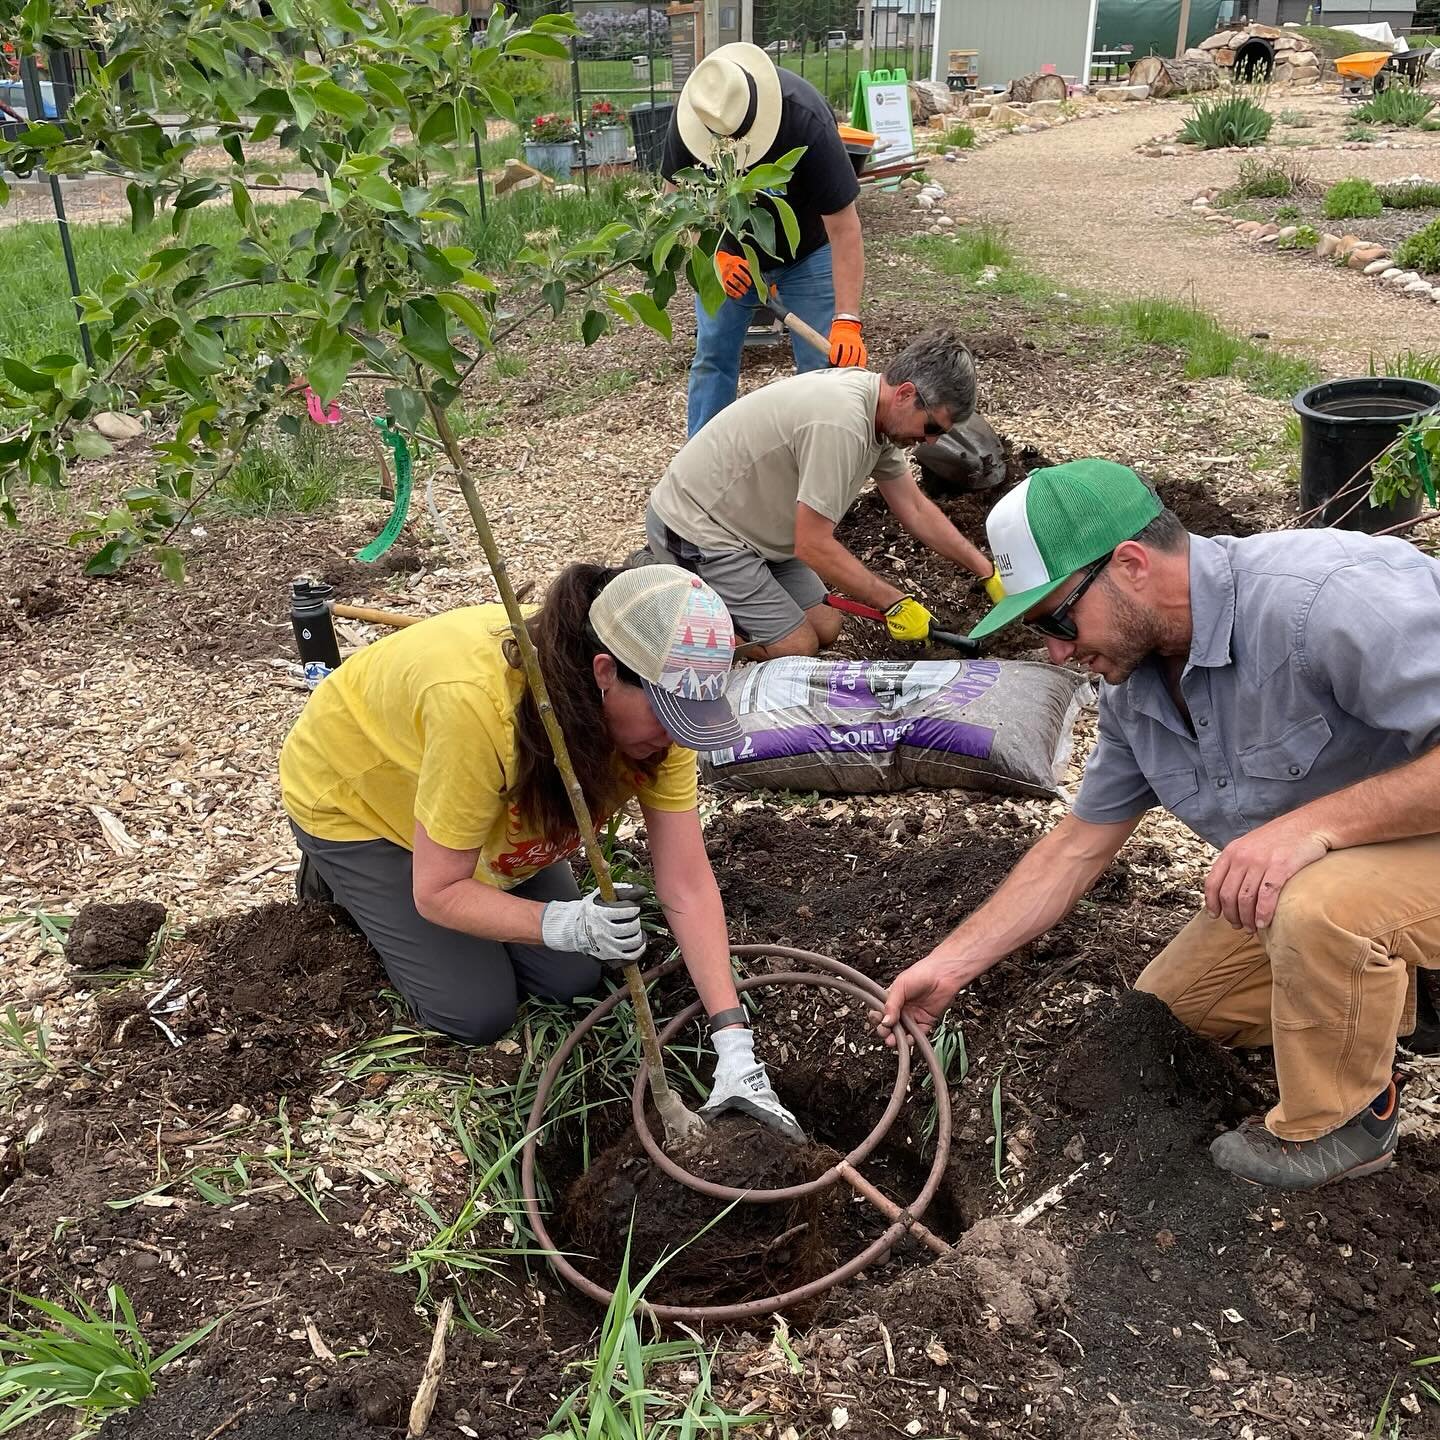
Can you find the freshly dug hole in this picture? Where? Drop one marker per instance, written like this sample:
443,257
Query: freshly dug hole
755,1251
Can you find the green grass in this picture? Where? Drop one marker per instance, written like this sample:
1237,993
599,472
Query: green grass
24,1051
588,391
1411,195
948,1043
81,1359
627,1393
38,318
456,1248
537,216
997,1119
297,475
1361,134
1401,105
1259,179
1410,365
967,254
1334,43
1209,349
981,256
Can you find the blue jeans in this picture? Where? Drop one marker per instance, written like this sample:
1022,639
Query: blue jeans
807,288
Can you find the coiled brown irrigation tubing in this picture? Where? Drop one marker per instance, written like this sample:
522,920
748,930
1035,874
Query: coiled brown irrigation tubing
854,986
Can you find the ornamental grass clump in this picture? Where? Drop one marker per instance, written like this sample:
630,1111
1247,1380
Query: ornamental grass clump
1216,122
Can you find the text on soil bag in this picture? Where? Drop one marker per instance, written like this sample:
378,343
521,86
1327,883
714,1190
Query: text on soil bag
954,736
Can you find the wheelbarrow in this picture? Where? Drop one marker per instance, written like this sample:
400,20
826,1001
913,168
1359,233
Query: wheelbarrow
1360,74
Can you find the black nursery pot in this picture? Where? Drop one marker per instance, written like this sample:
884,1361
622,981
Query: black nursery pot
1344,426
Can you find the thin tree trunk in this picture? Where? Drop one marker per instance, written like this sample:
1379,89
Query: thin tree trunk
679,1122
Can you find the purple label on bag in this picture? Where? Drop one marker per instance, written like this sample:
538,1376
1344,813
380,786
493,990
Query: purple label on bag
848,685
880,684
873,738
954,736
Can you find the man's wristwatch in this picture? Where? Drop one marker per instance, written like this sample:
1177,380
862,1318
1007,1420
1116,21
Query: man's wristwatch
735,1015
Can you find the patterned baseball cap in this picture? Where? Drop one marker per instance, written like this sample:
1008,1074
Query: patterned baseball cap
675,633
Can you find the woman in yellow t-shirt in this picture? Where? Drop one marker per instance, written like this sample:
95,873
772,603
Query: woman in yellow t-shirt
421,787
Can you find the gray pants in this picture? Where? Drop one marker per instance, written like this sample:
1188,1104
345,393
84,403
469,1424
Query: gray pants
767,599
466,987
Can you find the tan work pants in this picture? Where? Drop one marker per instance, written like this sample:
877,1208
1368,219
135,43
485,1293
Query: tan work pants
1330,984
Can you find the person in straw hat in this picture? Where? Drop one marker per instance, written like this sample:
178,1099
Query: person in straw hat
736,97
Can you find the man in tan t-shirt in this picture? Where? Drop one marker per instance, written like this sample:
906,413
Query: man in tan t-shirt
751,503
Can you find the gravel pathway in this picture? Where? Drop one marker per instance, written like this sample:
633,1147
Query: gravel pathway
1086,209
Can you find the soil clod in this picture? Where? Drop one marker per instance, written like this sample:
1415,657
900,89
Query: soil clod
113,937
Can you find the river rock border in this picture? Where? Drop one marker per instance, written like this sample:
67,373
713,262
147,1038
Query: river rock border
1363,257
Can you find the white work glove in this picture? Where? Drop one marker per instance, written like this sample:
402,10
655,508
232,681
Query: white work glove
741,1084
608,931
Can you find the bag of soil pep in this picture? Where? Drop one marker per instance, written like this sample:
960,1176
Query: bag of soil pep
864,726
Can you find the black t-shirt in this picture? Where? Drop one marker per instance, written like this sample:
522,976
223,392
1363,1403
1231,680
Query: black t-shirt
824,182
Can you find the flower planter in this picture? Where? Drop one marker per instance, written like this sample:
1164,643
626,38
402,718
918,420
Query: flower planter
606,144
557,159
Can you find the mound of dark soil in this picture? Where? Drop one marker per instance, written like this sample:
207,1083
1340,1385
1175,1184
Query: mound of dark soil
113,937
42,599
1200,512
271,993
955,597
197,1409
800,881
1215,1278
755,1250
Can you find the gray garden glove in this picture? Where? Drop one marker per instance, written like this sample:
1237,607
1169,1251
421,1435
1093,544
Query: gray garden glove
741,1084
608,930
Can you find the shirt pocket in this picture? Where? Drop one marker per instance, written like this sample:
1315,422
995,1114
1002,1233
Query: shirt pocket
1291,755
1174,787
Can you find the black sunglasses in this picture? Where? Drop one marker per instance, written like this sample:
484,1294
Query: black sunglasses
1058,625
933,428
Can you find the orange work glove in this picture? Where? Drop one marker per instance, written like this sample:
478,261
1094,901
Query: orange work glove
846,346
734,274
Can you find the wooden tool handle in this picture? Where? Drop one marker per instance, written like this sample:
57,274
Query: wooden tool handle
393,618
793,323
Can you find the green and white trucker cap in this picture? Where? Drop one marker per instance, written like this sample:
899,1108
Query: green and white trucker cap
1057,522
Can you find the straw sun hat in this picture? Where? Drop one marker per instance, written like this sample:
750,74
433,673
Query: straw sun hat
732,94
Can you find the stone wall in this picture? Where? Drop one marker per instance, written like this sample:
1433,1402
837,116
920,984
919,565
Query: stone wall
1297,61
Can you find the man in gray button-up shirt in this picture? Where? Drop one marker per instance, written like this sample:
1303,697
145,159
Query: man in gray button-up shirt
1281,695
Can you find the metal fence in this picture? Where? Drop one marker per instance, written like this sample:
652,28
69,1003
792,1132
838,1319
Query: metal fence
636,61
68,72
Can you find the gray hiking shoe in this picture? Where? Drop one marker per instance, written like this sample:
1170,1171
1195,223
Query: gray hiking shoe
1364,1145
